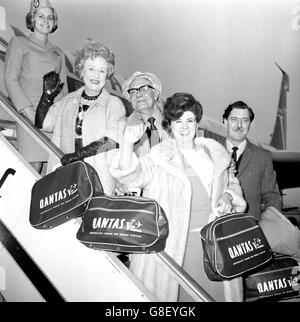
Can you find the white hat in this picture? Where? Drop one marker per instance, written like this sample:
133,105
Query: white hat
156,83
36,4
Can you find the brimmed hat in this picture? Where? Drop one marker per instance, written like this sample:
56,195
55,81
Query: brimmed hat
156,83
37,4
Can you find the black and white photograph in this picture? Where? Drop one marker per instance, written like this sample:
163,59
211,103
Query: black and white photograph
149,153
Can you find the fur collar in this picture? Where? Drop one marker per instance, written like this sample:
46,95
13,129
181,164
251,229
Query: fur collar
168,155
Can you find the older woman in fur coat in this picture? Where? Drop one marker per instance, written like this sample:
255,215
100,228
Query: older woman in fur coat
190,178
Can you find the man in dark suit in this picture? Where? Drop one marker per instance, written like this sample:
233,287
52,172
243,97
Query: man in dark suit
254,167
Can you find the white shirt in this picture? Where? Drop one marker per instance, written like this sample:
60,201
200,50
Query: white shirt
241,147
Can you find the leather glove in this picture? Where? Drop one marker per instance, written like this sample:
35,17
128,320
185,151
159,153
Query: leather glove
103,145
51,88
51,85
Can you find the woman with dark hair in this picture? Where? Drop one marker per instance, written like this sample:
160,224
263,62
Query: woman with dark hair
27,60
189,177
89,122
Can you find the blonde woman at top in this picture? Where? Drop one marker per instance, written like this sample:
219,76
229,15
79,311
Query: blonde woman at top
190,179
27,60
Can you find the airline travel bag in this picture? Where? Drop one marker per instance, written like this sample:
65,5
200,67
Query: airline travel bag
63,194
233,244
124,224
280,280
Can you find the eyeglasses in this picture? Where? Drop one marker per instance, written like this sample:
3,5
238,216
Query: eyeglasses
142,89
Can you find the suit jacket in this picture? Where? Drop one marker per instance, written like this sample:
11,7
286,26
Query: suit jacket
258,180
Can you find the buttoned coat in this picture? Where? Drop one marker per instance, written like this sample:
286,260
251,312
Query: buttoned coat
105,117
26,62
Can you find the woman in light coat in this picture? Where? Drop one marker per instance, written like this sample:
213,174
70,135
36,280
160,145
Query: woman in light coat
190,179
87,124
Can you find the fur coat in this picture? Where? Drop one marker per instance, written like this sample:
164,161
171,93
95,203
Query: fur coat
162,176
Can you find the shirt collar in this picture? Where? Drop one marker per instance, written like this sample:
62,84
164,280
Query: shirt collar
156,115
241,146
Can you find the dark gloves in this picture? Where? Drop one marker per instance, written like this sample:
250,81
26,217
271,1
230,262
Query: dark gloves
51,85
103,145
51,88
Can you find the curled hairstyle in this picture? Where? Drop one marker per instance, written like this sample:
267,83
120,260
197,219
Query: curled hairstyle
30,20
240,105
176,105
93,50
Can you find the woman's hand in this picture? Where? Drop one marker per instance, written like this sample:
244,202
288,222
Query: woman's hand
224,204
133,133
121,189
51,85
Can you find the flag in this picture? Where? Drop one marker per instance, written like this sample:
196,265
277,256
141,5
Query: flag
279,137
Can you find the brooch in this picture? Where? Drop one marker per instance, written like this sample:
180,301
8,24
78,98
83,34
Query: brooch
36,3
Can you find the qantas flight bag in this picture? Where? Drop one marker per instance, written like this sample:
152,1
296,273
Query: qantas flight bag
63,194
233,245
279,280
124,224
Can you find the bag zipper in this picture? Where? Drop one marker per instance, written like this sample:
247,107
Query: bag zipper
228,217
238,233
120,210
274,270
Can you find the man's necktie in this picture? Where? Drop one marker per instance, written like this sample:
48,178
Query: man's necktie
234,158
234,155
152,133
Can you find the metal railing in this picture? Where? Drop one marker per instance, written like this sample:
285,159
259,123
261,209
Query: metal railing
183,279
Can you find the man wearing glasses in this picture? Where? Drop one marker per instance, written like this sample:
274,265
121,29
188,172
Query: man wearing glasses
143,91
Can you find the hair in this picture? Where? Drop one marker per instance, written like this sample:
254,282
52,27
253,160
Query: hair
29,19
240,105
176,105
93,50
